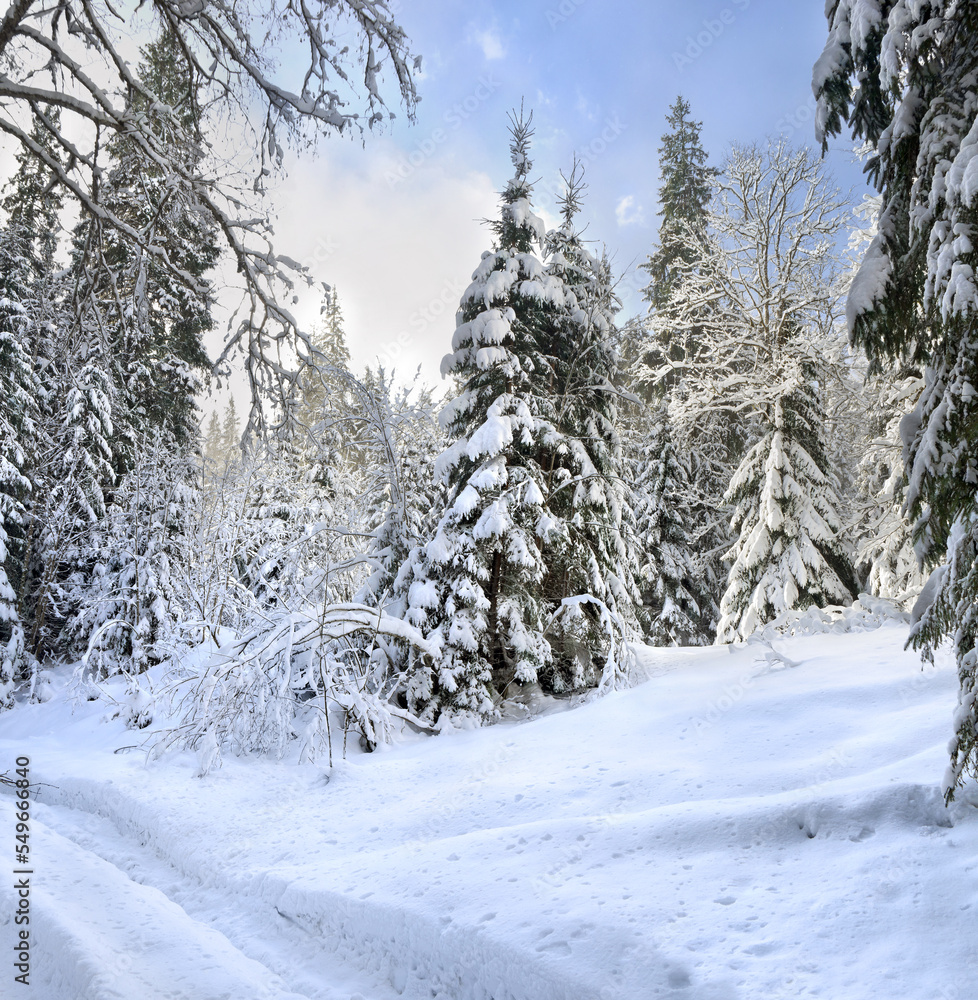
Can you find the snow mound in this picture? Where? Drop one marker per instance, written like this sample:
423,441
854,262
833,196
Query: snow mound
868,612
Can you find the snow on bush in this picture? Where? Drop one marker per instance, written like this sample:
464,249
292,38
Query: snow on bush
866,613
284,681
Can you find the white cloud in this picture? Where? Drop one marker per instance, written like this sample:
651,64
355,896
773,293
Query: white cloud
400,254
585,108
490,43
627,213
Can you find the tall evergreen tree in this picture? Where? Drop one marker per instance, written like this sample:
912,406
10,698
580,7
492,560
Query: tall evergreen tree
886,547
73,482
328,416
151,323
789,553
592,553
27,245
140,306
125,600
477,581
17,434
677,609
666,346
684,198
529,552
915,295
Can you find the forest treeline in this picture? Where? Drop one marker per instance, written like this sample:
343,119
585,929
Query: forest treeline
786,425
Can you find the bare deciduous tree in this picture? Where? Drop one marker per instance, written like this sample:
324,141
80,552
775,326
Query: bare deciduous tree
80,56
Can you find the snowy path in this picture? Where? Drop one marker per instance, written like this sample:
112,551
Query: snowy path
290,939
102,936
723,832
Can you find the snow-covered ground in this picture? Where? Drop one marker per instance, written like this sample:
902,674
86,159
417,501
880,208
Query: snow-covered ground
738,826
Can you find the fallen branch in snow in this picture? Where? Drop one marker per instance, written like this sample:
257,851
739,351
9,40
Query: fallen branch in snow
280,683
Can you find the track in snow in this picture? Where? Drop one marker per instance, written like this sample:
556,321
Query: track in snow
115,917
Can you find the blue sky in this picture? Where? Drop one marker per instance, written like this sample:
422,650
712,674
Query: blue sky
394,223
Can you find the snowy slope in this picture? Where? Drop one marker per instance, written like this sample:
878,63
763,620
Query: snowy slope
731,828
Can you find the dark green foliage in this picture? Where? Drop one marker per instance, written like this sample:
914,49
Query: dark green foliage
684,197
151,322
915,297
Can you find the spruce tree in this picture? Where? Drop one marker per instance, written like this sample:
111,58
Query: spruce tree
72,508
404,494
684,197
328,415
683,298
476,585
143,326
885,533
530,562
27,243
127,594
591,551
788,553
151,324
914,297
18,391
404,499
677,610
67,466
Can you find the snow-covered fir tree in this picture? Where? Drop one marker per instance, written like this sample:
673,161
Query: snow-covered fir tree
660,349
404,494
684,199
675,608
592,551
73,482
329,425
765,358
530,462
683,294
914,296
139,306
18,414
126,600
788,553
886,547
330,360
476,584
152,322
404,498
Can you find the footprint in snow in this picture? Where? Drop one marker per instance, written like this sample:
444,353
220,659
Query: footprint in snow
561,948
762,948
